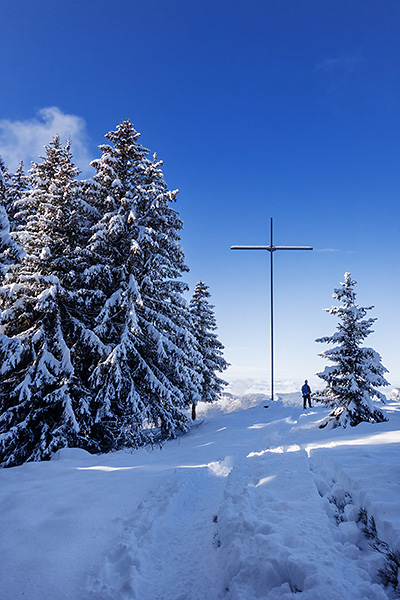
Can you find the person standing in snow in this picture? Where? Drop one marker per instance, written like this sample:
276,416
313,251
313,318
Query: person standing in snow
306,393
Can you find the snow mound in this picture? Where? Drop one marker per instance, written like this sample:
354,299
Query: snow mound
71,454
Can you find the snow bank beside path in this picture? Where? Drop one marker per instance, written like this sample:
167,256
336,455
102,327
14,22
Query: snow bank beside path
277,539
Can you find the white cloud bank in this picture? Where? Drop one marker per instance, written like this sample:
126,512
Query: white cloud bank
25,140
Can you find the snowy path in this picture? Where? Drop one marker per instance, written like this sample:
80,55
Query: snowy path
241,508
166,550
183,539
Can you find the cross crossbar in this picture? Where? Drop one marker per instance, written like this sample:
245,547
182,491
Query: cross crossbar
269,248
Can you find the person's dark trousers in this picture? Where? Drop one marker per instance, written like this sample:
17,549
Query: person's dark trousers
305,398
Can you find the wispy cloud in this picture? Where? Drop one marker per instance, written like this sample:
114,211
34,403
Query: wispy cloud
333,250
342,63
326,250
25,140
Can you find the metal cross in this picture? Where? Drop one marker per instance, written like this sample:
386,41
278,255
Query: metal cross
271,249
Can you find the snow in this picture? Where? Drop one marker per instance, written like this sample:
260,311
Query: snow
255,503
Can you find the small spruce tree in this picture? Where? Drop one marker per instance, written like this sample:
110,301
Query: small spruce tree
210,348
4,175
16,186
11,188
357,371
10,250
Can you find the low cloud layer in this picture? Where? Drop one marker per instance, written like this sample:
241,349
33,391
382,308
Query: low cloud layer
25,140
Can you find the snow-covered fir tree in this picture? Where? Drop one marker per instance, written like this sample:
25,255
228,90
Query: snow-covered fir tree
112,245
43,405
211,349
357,371
148,377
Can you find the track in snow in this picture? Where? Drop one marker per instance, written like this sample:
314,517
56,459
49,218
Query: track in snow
167,548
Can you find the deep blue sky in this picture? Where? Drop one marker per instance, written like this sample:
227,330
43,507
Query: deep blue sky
263,108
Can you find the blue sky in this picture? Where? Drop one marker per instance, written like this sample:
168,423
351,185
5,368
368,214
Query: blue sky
278,108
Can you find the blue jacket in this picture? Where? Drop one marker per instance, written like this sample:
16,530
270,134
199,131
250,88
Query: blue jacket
305,390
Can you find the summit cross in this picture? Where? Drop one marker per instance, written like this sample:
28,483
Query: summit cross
271,249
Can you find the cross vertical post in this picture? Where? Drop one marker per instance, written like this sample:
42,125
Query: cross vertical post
271,249
272,315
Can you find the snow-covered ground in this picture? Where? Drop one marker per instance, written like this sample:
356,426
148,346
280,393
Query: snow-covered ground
255,503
